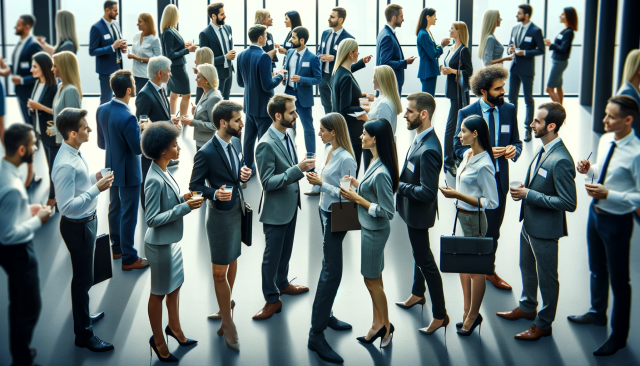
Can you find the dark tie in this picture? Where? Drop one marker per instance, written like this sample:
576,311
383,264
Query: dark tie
605,167
231,162
539,157
293,156
224,43
519,35
116,37
333,42
492,127
295,85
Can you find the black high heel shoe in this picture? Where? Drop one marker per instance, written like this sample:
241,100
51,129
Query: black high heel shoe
170,358
422,301
385,343
379,334
170,333
477,322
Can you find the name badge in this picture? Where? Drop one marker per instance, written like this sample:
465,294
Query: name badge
335,47
288,44
528,39
269,42
230,37
239,156
107,36
198,108
322,44
559,36
505,129
542,172
410,166
305,64
24,65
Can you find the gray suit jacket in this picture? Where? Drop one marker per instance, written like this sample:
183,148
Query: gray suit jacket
376,187
543,210
279,177
203,127
165,208
66,97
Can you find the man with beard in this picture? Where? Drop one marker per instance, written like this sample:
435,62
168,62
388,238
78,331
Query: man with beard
417,204
17,256
388,50
218,37
279,172
488,84
549,190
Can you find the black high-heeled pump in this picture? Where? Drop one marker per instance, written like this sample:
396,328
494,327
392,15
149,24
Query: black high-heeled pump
379,334
477,322
170,358
422,301
170,333
385,343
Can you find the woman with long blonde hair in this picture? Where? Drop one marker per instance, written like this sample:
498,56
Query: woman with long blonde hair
263,17
67,35
204,55
69,95
631,82
146,44
490,49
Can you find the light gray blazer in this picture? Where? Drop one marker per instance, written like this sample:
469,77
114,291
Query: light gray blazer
165,208
279,177
66,97
203,127
376,187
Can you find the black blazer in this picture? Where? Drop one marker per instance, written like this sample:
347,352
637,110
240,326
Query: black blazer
561,46
417,199
173,47
345,99
46,99
208,38
268,47
451,89
149,102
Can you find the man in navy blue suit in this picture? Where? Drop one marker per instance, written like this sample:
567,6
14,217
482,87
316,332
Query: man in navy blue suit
388,50
254,74
121,138
488,84
526,43
20,64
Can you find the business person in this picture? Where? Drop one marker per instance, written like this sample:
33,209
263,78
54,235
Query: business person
218,37
561,47
631,82
525,44
263,17
254,74
490,50
77,197
69,94
280,173
417,205
219,163
146,44
17,255
375,209
66,33
2,112
292,21
339,163
548,192
488,84
121,134
428,51
476,185
204,55
164,216
388,50
610,225
457,65
202,119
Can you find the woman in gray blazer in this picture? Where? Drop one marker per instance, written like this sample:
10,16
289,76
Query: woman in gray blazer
202,120
165,208
376,208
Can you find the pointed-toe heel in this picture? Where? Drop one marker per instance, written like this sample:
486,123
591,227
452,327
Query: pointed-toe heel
385,343
379,334
152,346
476,323
170,333
444,324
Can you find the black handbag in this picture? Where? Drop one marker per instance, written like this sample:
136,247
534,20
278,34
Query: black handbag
467,254
344,217
247,224
102,259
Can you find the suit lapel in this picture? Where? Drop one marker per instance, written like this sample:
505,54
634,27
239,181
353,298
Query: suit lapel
164,177
280,145
546,155
223,155
370,171
500,125
159,98
396,38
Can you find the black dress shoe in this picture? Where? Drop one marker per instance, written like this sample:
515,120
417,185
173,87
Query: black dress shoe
337,324
96,317
588,318
610,347
324,350
527,135
94,344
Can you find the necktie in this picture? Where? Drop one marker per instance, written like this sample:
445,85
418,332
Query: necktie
231,162
519,35
605,167
295,85
290,149
492,127
116,37
333,42
224,43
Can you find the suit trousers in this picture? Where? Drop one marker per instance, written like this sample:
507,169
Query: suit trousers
426,269
449,132
106,94
609,243
145,164
539,267
514,93
275,262
50,152
140,83
224,86
429,85
123,217
306,118
496,216
20,263
80,240
254,129
325,92
330,275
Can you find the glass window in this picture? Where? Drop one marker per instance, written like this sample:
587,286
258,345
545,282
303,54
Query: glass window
360,21
92,14
130,11
252,6
278,8
13,10
406,33
508,15
193,19
553,18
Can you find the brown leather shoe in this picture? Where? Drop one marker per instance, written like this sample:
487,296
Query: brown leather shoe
141,263
268,310
516,314
116,256
498,282
294,290
533,334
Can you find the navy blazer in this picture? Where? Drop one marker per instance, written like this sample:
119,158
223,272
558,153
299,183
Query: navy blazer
100,42
389,52
208,38
268,47
46,99
173,47
254,74
526,65
561,45
451,88
310,74
121,141
149,103
30,48
332,51
429,52
508,136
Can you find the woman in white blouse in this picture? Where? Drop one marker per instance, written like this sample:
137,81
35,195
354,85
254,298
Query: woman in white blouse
146,44
476,184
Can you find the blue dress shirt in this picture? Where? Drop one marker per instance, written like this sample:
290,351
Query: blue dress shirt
17,225
75,187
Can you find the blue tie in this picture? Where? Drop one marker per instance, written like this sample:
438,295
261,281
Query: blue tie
605,167
492,127
295,85
293,156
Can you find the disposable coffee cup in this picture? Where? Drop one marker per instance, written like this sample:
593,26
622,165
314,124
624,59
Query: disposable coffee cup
370,95
345,183
515,184
105,172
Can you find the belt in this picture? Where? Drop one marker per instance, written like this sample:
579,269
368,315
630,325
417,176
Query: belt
467,212
603,212
82,220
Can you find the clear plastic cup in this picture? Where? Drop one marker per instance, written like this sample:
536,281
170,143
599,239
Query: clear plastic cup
105,172
196,194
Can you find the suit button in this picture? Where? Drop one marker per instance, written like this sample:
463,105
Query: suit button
296,191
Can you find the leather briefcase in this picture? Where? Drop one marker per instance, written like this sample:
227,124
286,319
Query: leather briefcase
102,259
247,224
344,216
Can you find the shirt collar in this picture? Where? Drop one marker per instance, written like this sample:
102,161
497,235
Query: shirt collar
154,85
485,107
477,157
278,133
393,30
623,141
337,151
123,103
25,39
255,46
338,33
7,166
68,148
215,26
301,53
222,142
525,27
630,86
106,22
422,134
551,144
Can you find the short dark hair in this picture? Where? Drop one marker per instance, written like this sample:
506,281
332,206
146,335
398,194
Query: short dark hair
628,106
555,114
391,11
424,101
526,9
278,104
301,33
28,19
224,110
483,78
342,12
157,137
120,81
15,136
109,3
68,120
256,31
214,9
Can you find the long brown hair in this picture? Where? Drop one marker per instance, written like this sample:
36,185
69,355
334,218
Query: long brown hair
572,18
336,122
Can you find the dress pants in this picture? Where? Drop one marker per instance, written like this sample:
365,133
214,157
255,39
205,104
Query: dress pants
449,132
307,122
330,276
224,86
140,83
609,242
496,216
254,129
23,93
539,267
123,217
275,262
106,94
426,269
514,93
429,85
20,263
80,239
50,152
325,92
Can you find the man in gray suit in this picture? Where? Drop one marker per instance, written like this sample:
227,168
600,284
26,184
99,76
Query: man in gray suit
548,191
279,172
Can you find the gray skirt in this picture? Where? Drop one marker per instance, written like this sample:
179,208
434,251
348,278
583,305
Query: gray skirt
469,224
167,273
179,80
372,251
555,76
224,233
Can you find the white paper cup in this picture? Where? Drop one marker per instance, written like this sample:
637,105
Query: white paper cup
345,183
515,184
105,172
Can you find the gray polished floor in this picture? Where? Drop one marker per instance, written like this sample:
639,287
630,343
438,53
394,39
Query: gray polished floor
282,339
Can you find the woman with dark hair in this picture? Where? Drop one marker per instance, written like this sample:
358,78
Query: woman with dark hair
561,47
477,191
375,208
428,51
291,20
165,208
